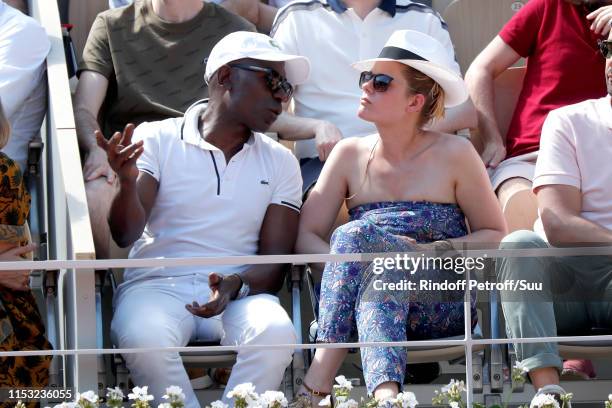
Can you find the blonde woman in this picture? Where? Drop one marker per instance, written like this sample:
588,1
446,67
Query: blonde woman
407,188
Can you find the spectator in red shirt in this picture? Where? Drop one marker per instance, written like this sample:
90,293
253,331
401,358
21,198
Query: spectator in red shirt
559,38
553,35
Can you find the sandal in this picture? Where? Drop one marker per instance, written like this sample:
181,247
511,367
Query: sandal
307,398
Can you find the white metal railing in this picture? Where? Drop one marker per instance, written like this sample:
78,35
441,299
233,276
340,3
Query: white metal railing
70,235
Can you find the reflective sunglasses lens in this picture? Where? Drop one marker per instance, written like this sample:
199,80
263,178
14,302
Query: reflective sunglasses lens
364,77
381,82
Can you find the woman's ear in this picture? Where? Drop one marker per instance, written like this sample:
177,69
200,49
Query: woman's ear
415,103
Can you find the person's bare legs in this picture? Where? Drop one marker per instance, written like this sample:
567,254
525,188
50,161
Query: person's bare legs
544,376
322,371
518,203
100,196
386,391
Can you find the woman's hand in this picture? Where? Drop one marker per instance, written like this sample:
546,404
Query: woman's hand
16,280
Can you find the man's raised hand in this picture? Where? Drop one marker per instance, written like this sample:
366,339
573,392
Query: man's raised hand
122,153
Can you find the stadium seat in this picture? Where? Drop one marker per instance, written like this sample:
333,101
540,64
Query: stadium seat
474,23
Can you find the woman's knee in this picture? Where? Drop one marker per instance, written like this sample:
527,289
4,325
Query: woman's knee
346,237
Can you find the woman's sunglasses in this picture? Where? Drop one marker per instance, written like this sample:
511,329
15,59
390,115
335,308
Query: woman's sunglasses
380,82
605,47
274,80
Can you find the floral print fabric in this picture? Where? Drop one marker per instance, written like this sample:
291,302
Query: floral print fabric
350,305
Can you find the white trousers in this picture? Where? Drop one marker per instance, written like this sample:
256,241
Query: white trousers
152,313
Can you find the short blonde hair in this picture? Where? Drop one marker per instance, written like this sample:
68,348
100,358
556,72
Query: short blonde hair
419,83
5,128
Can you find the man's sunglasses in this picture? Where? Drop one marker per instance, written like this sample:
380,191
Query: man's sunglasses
605,47
274,80
380,82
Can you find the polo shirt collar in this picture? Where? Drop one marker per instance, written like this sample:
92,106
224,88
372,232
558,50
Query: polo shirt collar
385,5
190,132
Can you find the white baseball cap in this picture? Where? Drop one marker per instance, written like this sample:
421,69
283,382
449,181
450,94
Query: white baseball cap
245,44
426,54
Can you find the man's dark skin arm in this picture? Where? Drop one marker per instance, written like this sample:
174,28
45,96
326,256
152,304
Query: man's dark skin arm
137,192
277,237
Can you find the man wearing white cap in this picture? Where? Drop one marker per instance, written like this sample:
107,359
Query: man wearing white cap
184,184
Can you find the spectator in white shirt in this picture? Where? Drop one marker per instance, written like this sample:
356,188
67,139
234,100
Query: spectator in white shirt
23,48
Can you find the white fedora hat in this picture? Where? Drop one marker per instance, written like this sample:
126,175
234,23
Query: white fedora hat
244,44
427,55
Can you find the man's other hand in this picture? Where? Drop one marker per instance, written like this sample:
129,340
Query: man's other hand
224,289
326,137
601,20
96,165
493,153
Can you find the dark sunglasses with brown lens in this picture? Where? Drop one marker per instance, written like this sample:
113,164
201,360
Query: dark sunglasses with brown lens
274,80
380,82
605,47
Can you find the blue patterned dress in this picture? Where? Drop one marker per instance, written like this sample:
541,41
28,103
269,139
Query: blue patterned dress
349,306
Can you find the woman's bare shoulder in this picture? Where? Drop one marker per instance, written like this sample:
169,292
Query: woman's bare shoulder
353,147
453,147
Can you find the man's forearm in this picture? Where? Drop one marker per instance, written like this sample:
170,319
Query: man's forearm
481,89
267,14
457,118
86,125
574,230
127,216
265,278
291,127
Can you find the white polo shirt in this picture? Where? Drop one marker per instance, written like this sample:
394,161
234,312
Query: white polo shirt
333,38
205,206
575,150
23,49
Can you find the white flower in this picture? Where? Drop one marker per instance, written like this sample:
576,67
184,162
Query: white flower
272,399
244,391
610,397
66,405
218,404
407,400
140,394
88,396
454,385
325,402
454,404
164,405
174,393
544,401
348,404
519,366
341,398
343,383
114,393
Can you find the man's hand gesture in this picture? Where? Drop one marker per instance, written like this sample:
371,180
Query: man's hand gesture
224,289
122,153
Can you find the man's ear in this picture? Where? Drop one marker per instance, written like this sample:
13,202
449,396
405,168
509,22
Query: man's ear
415,103
224,77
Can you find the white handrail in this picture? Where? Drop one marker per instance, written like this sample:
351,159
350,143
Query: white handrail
70,235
